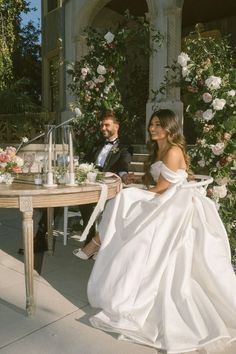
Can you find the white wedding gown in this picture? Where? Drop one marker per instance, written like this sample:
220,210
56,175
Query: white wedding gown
163,275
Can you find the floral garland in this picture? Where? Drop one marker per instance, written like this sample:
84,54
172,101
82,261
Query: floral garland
206,75
95,78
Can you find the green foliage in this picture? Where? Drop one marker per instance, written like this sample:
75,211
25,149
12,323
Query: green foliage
9,19
206,74
96,77
20,62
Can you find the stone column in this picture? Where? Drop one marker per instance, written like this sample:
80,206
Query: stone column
166,17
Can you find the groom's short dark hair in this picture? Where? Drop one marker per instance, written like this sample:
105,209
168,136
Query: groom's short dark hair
109,115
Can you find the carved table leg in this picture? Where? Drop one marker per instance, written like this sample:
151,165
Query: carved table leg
50,215
27,224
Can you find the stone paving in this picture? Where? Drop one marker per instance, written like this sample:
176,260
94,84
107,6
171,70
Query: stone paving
61,323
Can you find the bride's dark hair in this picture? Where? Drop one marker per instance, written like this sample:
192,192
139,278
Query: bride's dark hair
169,122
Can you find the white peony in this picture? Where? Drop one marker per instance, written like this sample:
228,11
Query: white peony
101,70
231,93
208,114
207,97
218,148
220,191
183,59
213,82
109,37
218,103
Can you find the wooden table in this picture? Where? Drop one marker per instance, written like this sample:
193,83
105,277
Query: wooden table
26,197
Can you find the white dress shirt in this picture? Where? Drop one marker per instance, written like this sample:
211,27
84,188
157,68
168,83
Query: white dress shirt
103,154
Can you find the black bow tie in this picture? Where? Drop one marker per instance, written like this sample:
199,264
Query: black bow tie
110,142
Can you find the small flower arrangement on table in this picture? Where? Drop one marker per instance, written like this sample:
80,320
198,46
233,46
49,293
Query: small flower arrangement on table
10,164
85,173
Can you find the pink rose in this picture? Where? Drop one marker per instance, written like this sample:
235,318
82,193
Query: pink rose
16,169
207,97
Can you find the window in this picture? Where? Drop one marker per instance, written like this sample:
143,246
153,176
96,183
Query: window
52,4
54,83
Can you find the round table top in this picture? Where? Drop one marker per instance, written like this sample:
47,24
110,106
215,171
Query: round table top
19,188
21,195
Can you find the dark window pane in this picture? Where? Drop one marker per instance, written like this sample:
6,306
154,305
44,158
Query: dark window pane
54,83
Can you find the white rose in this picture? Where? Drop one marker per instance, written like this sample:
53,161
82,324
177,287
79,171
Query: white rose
185,71
213,82
208,114
218,104
231,93
220,191
78,112
19,161
207,97
221,181
183,58
101,70
84,71
109,37
100,78
217,149
201,163
91,84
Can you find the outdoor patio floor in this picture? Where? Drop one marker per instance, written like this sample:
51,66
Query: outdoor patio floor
61,323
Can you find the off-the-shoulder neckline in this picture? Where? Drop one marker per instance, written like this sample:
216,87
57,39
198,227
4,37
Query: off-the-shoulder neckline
179,169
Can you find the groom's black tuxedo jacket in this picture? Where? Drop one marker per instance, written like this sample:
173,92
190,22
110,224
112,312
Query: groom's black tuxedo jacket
117,160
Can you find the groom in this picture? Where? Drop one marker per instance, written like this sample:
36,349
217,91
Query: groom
109,155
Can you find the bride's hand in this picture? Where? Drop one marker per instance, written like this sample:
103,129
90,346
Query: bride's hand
131,178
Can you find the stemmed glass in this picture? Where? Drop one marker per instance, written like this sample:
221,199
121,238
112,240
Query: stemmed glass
29,159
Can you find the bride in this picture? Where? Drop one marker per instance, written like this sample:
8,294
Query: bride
163,274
